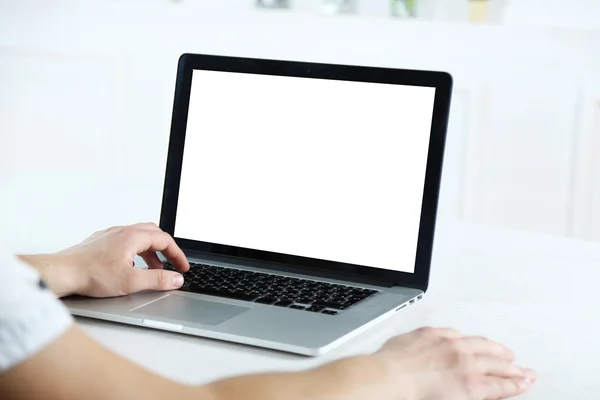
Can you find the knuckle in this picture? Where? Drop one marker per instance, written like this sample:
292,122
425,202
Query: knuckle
114,228
426,330
454,332
456,346
447,341
151,224
128,231
484,340
458,358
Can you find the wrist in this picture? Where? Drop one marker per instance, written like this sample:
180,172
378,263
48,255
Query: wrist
372,376
56,271
341,380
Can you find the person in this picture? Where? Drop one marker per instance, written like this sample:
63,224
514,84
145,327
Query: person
44,355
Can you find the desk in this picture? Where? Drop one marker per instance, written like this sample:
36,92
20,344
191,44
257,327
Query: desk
510,286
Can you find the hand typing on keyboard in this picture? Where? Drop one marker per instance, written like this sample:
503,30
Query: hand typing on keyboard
101,266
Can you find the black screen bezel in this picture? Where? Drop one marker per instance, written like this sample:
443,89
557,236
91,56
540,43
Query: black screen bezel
442,81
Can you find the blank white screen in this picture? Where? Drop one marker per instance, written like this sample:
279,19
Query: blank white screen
318,168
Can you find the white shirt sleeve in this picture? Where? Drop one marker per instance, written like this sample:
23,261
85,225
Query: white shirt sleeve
31,317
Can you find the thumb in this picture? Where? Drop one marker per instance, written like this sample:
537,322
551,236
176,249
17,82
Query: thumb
154,279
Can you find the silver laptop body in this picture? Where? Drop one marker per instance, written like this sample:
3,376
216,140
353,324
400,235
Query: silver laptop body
266,279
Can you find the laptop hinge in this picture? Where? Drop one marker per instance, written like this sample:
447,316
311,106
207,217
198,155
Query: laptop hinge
276,267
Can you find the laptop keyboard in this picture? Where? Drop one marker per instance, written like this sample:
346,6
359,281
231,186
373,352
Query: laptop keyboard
276,290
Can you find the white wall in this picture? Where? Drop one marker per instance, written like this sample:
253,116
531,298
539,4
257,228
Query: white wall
87,90
583,14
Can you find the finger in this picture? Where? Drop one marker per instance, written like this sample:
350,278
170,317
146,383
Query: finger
477,345
149,240
152,260
492,388
153,279
449,333
150,257
497,367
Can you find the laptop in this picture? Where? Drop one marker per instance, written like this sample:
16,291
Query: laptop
304,196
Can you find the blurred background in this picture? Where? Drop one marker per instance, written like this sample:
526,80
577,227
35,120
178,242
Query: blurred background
86,90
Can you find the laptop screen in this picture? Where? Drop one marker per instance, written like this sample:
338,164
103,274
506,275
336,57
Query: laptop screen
317,168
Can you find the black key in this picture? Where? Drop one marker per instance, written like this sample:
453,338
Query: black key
355,299
305,300
329,312
297,307
286,298
328,304
240,294
283,303
266,300
338,300
219,293
314,308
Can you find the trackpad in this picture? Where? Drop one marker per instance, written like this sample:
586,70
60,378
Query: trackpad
186,309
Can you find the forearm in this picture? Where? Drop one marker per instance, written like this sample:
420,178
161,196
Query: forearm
342,380
54,269
76,367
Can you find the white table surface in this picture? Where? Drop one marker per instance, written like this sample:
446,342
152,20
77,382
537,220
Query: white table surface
537,294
